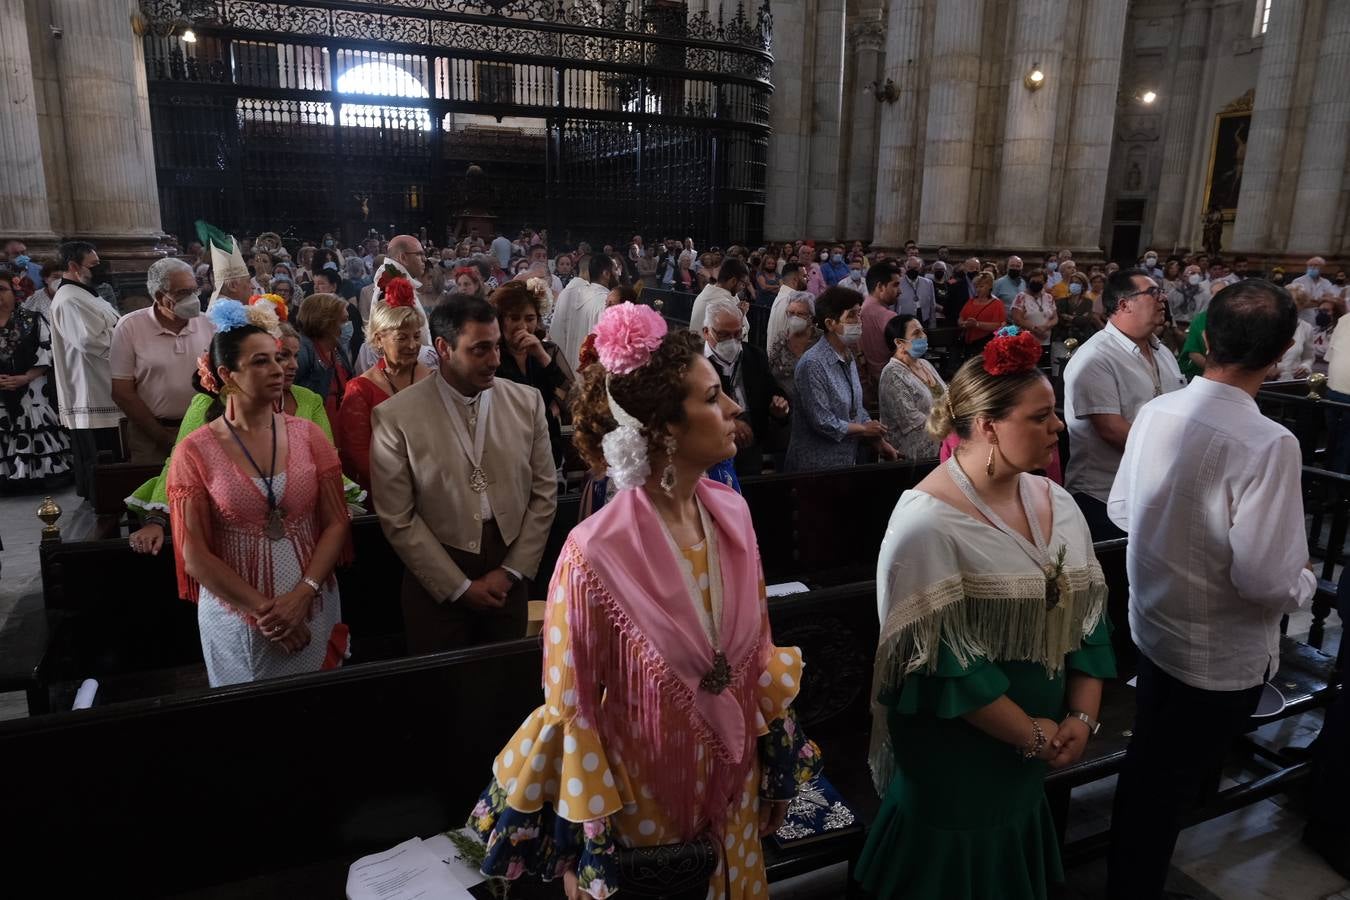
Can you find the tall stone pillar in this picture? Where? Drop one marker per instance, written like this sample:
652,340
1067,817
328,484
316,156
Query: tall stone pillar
23,183
949,147
827,71
864,48
106,111
1261,176
1318,195
895,215
1029,128
1183,98
1092,124
789,114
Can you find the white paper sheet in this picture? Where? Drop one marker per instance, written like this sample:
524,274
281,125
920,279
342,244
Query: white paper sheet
444,849
787,587
409,871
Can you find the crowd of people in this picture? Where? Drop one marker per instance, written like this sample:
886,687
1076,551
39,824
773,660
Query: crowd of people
450,390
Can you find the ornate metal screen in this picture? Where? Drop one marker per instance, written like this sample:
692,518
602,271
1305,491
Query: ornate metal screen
596,118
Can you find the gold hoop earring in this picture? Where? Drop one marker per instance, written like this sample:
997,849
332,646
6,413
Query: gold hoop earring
989,463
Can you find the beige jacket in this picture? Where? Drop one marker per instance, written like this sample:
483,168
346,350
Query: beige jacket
420,481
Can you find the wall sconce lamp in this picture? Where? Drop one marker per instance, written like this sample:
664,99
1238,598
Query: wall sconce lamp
1035,79
884,93
1146,97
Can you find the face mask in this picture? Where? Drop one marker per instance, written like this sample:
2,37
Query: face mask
837,258
912,274
345,335
1051,266
328,243
447,263
22,260
728,351
796,324
1034,286
1150,261
824,257
1323,318
918,347
190,308
1015,274
1314,272
855,274
852,334
1194,279
1075,288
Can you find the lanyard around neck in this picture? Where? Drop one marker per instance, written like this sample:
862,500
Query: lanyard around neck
268,478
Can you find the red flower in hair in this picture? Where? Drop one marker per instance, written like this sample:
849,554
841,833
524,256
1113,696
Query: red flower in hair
398,292
587,354
1012,352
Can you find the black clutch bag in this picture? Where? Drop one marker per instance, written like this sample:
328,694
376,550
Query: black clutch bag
667,871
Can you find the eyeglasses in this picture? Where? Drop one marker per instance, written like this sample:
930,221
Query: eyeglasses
1155,292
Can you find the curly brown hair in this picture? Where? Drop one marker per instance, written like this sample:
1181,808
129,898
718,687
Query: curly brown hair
654,395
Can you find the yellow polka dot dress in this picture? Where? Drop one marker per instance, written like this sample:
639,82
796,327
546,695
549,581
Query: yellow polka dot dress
597,797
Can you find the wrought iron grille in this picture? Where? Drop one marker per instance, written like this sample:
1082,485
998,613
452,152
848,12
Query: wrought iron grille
596,118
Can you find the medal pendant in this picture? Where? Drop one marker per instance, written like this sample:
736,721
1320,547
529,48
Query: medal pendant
276,524
719,676
478,480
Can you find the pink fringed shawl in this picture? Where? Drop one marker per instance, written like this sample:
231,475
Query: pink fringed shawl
636,634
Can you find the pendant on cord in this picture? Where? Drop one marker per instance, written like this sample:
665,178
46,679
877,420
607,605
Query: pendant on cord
478,480
276,524
718,678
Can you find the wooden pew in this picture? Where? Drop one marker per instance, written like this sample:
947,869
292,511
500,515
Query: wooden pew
113,483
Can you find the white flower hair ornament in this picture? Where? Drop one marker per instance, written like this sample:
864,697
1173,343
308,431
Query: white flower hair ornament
625,338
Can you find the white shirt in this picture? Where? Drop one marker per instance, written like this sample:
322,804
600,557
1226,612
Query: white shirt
82,328
1037,310
1300,355
1316,291
575,317
1337,359
713,291
1109,375
778,316
1217,550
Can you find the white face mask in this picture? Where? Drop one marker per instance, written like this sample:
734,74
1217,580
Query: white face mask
797,324
852,334
1150,261
188,308
728,351
1194,278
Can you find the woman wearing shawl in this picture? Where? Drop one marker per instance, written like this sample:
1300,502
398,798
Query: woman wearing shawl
259,523
993,646
666,716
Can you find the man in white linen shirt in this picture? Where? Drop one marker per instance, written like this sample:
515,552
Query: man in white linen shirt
1209,492
579,308
1107,380
732,275
1310,289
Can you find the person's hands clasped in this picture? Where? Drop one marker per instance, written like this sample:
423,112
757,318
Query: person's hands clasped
778,407
1072,739
1053,744
147,539
771,816
489,592
887,452
282,621
873,431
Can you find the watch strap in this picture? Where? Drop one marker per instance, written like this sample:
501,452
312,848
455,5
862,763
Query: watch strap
1093,725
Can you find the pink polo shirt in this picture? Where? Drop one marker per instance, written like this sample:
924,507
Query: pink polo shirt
876,352
160,361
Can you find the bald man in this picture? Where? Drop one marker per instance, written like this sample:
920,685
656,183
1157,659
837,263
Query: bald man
1010,285
1313,289
405,254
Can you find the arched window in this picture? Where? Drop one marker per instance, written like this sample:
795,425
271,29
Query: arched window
387,80
1262,17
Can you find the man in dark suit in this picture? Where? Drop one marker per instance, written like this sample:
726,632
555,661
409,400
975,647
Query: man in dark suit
746,378
962,289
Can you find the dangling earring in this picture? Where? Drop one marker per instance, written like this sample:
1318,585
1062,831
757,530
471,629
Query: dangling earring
989,463
668,476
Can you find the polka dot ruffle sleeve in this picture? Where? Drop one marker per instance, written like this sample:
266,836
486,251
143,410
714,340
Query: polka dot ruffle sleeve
553,791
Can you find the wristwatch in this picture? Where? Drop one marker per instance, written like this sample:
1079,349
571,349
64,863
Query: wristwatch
1093,725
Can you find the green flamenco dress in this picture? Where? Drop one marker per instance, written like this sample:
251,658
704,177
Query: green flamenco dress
153,496
964,817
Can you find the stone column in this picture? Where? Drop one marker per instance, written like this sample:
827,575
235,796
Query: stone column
1261,176
895,216
827,73
1182,98
1091,126
1318,195
23,183
949,148
106,111
1029,128
789,108
864,47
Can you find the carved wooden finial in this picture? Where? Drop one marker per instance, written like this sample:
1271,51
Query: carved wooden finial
49,512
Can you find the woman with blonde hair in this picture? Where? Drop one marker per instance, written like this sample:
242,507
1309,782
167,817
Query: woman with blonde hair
395,330
325,334
667,718
993,644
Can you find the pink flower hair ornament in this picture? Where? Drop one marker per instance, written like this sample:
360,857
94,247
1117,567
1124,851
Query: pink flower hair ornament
205,376
626,337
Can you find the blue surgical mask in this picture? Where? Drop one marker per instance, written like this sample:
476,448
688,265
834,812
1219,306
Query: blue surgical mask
22,260
1075,288
1051,266
1314,272
918,347
837,258
345,335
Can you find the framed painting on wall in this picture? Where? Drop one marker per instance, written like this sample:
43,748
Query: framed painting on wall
1227,153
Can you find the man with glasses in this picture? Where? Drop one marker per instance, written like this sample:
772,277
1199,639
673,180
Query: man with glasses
1108,379
154,354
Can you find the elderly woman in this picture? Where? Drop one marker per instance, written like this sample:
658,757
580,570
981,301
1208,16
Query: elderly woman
395,330
789,346
908,387
982,314
1034,309
667,716
325,334
33,446
527,358
283,287
993,647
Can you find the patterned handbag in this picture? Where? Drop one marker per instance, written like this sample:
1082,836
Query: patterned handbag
667,871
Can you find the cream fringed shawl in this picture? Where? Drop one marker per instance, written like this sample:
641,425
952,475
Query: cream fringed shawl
944,577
